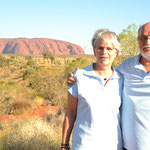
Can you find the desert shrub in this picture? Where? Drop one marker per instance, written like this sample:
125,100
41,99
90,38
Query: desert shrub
17,99
5,99
28,57
48,55
27,73
58,62
38,100
3,61
21,105
10,82
49,84
13,70
119,60
12,56
12,59
31,68
23,67
2,82
30,134
55,119
12,105
31,63
7,85
78,62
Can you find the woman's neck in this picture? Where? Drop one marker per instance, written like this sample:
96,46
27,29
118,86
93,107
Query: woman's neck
103,69
103,72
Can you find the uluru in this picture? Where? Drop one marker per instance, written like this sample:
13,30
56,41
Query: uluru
37,46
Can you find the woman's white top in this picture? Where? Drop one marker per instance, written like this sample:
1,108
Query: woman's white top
97,124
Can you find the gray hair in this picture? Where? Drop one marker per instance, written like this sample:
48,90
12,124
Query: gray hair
140,29
106,34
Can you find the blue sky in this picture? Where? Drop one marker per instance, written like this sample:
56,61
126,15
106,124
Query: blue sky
74,21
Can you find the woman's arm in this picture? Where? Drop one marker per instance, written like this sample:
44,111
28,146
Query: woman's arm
69,120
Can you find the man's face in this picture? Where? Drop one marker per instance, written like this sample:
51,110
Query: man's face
144,42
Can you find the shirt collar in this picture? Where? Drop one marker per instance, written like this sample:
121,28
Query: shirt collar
137,63
90,72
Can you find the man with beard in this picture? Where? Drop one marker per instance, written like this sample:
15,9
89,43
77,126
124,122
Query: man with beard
136,95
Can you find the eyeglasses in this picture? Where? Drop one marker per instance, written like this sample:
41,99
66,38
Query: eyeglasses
144,38
109,49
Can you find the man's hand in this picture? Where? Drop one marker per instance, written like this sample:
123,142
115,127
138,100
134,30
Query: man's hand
70,78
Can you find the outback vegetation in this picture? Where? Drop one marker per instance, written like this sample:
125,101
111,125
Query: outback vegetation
28,82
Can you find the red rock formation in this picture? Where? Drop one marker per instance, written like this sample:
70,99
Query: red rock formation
38,46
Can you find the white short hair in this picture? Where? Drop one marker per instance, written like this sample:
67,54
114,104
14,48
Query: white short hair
106,34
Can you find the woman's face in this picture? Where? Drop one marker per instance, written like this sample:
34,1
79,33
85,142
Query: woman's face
105,52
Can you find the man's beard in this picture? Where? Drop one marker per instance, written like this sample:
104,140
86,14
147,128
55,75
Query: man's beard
145,54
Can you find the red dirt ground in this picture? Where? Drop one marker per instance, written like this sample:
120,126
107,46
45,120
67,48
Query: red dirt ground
40,112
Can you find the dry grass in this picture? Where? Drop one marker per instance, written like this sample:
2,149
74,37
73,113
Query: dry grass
18,96
22,105
30,134
18,100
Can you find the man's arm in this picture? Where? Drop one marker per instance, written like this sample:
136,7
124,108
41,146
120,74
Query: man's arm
70,78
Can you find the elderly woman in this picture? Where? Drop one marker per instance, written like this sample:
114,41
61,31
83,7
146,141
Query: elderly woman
94,100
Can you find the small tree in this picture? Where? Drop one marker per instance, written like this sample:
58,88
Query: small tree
48,55
129,41
52,58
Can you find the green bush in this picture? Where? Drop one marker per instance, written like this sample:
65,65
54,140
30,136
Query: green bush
31,63
13,70
8,85
27,73
11,82
78,62
2,82
49,84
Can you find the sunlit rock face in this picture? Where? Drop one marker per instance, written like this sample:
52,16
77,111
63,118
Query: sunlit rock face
38,46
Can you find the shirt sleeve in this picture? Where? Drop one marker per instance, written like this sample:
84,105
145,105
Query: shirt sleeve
73,90
121,67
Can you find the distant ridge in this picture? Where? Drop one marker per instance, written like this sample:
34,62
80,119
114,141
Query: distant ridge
38,46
